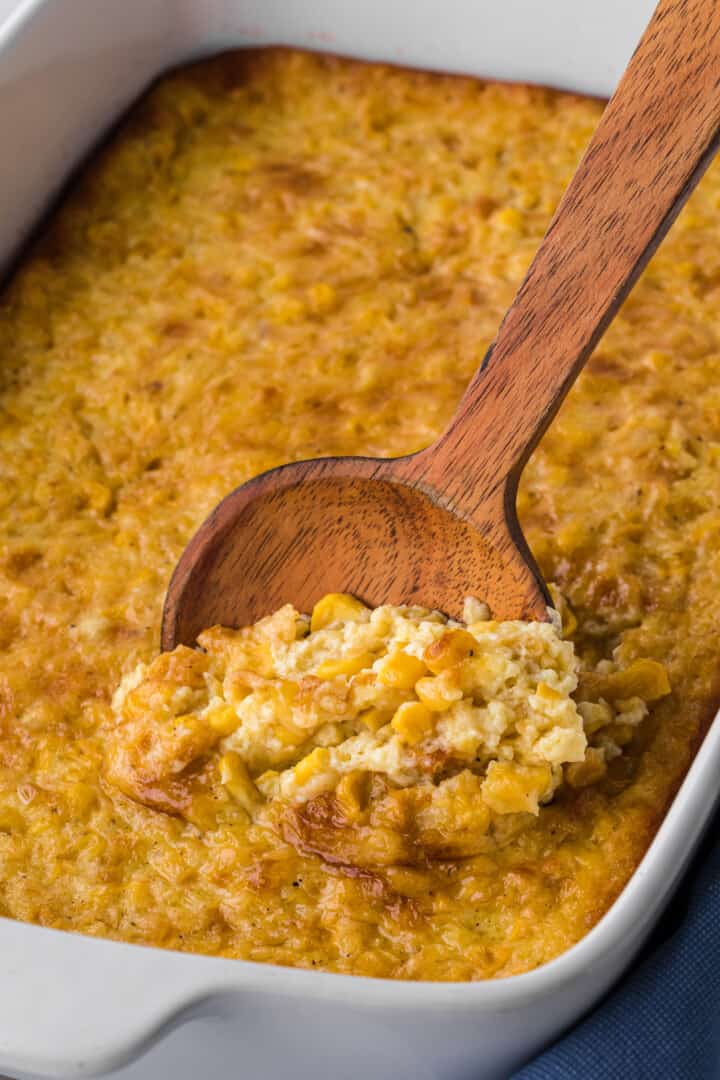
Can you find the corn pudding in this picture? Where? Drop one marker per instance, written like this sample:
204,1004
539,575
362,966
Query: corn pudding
391,737
279,256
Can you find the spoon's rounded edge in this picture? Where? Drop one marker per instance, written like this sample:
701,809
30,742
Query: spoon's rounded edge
212,528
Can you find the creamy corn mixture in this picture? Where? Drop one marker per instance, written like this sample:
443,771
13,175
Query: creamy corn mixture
374,738
280,256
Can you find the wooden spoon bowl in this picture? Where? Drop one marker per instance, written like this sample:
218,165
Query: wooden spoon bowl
440,525
342,524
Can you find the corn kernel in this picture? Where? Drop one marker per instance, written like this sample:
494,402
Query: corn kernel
99,496
686,269
437,693
510,788
621,734
351,793
316,761
452,648
263,661
658,360
413,722
236,779
475,610
407,881
288,692
244,163
322,297
288,311
223,719
286,736
646,679
582,773
374,719
509,218
202,812
400,670
336,607
548,693
280,281
595,715
347,665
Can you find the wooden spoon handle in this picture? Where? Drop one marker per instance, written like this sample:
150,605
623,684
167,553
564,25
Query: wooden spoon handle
656,137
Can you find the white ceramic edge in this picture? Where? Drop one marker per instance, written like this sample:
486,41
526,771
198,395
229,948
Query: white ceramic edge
594,38
130,994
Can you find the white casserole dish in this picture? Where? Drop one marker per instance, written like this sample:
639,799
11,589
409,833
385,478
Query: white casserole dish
75,1006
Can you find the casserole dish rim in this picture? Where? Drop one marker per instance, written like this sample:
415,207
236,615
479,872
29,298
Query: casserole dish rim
638,903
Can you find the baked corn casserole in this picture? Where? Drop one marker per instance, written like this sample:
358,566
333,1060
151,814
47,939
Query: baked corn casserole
278,256
392,737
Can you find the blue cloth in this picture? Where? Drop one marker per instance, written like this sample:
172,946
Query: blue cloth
663,1020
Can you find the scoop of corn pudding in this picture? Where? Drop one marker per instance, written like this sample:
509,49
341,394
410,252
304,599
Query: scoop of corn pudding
391,735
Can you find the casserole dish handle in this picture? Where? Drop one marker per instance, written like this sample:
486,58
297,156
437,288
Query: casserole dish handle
122,998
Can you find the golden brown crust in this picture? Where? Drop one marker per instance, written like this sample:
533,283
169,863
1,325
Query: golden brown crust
279,256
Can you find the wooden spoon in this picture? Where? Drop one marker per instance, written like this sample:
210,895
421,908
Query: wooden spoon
439,525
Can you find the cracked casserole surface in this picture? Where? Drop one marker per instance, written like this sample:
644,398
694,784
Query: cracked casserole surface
281,256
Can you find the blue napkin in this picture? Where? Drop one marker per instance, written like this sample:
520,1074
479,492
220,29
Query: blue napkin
663,1020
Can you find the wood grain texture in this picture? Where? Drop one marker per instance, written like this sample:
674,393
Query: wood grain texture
439,525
